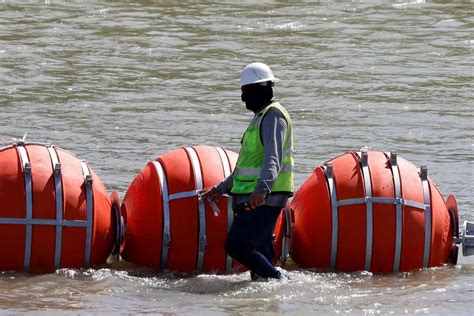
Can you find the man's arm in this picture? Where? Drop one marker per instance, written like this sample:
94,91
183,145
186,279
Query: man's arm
216,191
273,132
226,185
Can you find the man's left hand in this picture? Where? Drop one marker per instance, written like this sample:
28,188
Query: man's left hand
257,199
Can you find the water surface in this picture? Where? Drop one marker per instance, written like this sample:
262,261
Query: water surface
122,82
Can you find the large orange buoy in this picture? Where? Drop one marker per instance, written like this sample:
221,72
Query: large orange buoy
167,225
370,211
55,211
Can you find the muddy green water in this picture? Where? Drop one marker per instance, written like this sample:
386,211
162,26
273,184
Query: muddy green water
122,82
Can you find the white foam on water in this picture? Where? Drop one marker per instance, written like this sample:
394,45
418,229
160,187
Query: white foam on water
404,5
290,26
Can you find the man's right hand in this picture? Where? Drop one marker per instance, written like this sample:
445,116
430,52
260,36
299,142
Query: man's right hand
211,193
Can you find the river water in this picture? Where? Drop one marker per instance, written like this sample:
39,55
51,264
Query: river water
122,82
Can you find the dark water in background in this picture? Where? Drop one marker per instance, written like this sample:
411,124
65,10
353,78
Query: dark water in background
122,82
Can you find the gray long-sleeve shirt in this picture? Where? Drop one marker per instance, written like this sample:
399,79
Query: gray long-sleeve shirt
273,130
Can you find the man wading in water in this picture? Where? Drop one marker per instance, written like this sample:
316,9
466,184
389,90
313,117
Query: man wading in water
262,180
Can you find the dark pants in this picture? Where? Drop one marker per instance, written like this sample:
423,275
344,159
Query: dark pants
250,239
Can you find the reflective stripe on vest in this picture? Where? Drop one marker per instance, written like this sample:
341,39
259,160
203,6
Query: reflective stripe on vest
250,162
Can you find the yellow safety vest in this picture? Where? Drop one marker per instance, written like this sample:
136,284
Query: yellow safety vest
250,161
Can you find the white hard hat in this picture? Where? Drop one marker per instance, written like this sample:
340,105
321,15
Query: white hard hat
256,73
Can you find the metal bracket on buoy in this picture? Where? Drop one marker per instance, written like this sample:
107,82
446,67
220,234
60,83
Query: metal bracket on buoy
393,156
286,241
466,239
329,170
364,161
427,207
119,225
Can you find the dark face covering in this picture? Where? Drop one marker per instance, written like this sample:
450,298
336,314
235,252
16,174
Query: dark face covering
257,96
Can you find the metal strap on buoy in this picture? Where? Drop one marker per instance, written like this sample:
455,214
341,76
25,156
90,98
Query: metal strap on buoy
427,208
166,239
26,164
89,211
230,213
286,240
202,242
58,192
328,169
399,210
369,214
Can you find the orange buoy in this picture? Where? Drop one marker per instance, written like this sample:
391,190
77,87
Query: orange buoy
167,225
55,211
370,211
